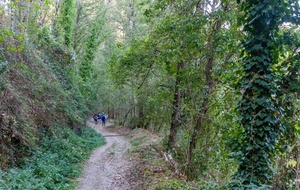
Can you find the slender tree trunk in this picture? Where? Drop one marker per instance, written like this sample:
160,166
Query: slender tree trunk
12,18
132,23
57,7
132,15
76,28
113,112
44,14
209,83
134,109
27,17
108,111
204,109
20,17
176,108
140,108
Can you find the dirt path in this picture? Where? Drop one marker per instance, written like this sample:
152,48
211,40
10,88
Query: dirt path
109,166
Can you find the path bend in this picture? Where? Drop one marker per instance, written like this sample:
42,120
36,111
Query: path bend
109,166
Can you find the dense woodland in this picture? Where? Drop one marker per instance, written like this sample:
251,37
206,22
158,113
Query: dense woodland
218,79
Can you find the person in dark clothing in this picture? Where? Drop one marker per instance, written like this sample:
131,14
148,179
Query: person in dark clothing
95,119
99,116
103,118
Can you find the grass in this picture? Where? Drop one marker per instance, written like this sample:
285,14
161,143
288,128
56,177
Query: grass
56,163
138,141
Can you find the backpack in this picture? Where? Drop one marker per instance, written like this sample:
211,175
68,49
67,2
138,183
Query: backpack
103,117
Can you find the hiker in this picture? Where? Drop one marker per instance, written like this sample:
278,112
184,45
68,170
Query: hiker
103,118
99,116
95,119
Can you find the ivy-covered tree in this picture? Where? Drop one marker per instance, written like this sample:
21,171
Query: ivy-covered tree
66,20
92,43
260,108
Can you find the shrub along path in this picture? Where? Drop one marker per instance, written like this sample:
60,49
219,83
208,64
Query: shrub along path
108,168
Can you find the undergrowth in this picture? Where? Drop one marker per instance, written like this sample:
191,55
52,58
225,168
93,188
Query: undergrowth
55,163
154,171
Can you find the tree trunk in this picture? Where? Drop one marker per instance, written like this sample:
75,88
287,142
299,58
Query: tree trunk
204,109
43,15
57,7
113,112
77,25
176,109
140,108
132,15
132,24
209,83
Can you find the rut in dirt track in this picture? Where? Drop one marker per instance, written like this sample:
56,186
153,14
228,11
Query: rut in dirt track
109,166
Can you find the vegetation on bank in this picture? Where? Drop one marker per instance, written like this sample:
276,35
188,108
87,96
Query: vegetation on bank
158,170
40,85
56,163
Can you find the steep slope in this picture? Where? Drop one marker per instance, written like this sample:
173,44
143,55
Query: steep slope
37,90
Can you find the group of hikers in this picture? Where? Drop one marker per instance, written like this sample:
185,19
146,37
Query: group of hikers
99,117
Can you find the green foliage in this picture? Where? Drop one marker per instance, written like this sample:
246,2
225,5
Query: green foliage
44,38
3,65
260,109
147,66
56,162
136,69
39,87
89,34
66,20
92,43
61,62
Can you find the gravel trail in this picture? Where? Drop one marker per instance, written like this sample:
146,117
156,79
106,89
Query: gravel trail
109,166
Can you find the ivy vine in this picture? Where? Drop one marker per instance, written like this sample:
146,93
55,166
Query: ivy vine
259,111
